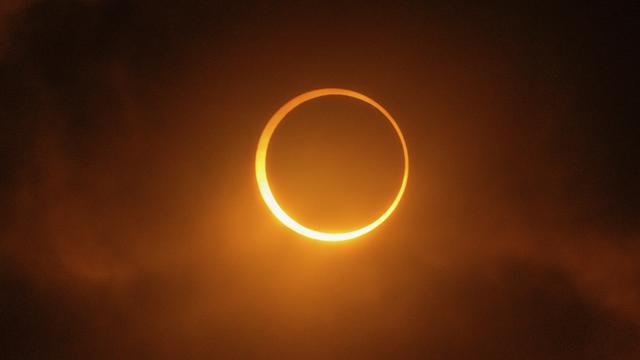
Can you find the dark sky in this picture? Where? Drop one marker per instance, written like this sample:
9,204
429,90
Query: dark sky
131,225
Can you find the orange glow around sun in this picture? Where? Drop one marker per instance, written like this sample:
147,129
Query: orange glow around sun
263,182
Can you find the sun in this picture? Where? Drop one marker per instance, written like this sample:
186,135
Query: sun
263,182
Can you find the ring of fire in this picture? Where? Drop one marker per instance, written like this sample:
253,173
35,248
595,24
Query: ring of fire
261,167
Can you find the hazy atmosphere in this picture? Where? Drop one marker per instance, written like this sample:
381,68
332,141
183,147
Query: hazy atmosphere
131,225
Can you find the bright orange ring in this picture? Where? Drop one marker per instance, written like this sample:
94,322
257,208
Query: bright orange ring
261,167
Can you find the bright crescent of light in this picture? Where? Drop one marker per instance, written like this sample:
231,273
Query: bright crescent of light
261,167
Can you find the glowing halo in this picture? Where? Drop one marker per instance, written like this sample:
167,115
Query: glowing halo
261,167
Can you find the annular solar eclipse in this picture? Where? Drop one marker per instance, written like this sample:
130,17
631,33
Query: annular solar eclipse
263,181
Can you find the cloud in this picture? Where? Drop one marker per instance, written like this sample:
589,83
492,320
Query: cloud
131,225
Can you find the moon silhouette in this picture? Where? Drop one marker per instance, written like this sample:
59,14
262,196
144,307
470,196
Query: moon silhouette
263,182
